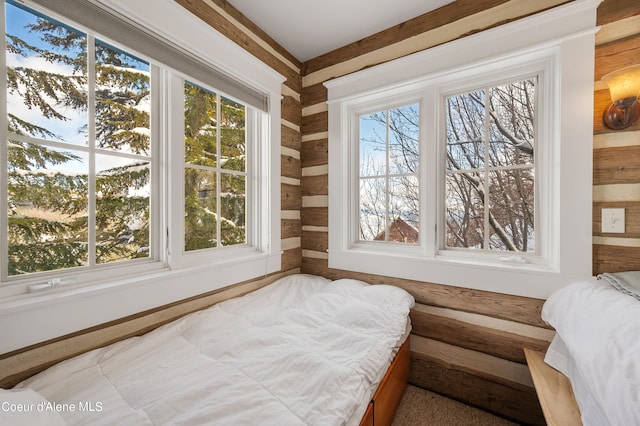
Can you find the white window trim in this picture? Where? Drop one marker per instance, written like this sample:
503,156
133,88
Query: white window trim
28,319
562,40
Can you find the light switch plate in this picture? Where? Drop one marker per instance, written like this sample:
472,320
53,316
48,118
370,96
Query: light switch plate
613,220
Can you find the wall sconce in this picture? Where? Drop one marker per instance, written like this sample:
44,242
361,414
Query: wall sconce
624,86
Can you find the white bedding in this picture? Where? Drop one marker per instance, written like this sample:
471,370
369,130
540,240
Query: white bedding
597,346
304,350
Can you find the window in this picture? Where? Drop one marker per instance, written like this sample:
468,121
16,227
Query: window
109,171
79,152
468,165
489,199
215,173
389,164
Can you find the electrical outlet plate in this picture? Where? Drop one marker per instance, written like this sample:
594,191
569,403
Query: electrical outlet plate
613,221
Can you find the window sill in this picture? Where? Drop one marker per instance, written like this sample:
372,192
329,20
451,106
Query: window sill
528,280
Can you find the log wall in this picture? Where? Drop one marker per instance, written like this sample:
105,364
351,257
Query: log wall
466,344
616,154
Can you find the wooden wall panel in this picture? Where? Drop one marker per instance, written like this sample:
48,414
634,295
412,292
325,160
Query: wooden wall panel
491,383
290,167
616,157
291,259
315,216
616,165
291,110
503,339
615,10
290,138
616,55
315,123
291,228
315,241
445,15
315,153
315,185
290,197
612,258
314,94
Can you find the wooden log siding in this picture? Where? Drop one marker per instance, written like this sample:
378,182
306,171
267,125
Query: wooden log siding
315,153
494,384
616,165
291,167
290,138
315,185
315,216
616,156
291,228
291,110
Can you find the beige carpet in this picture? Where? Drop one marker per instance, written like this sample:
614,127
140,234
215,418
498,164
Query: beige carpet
421,407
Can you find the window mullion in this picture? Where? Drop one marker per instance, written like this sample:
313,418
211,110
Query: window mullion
4,198
387,218
218,172
486,180
91,141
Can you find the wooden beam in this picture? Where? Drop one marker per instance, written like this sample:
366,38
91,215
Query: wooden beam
490,383
481,333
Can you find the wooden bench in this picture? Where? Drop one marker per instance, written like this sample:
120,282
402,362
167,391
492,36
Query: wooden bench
554,391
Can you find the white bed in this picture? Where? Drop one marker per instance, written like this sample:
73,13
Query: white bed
597,346
304,350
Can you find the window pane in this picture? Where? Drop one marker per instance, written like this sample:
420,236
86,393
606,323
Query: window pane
403,208
512,210
232,135
512,115
46,77
47,208
233,209
464,214
373,210
373,144
200,126
122,209
200,205
465,131
123,101
506,113
403,140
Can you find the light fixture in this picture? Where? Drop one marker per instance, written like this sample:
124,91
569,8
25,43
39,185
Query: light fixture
624,87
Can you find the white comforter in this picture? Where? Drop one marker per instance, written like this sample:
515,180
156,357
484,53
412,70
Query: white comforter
597,345
303,350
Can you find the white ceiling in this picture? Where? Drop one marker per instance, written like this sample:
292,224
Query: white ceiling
310,28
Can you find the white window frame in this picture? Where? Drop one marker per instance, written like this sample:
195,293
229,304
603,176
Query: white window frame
107,295
542,65
557,45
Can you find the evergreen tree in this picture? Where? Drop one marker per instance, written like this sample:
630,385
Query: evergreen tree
48,217
48,186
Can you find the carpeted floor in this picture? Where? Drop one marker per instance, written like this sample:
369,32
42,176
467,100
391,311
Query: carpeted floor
420,407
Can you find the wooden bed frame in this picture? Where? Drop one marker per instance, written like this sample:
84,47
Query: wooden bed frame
554,391
386,399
